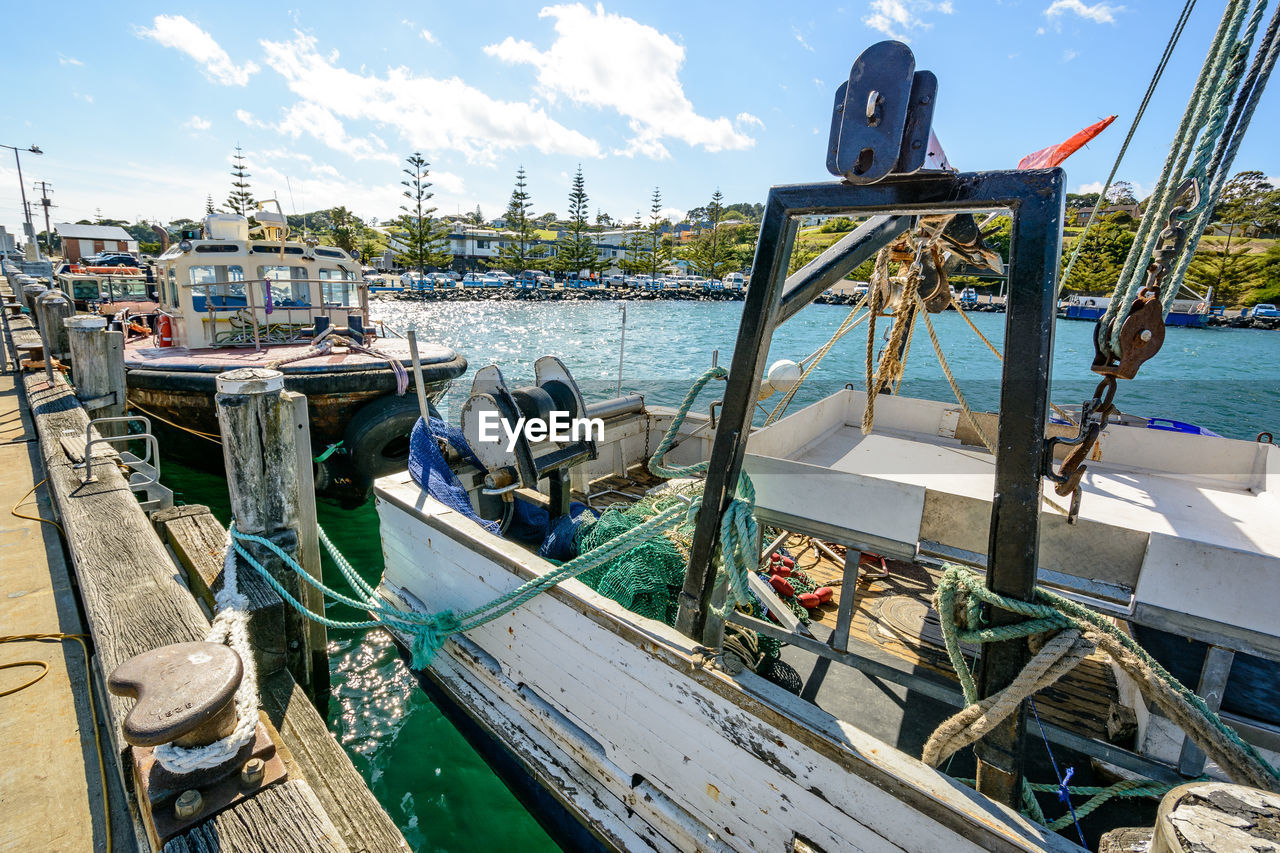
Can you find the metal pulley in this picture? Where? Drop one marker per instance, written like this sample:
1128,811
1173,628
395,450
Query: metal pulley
882,120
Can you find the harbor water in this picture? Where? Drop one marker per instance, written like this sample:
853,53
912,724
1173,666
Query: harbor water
428,778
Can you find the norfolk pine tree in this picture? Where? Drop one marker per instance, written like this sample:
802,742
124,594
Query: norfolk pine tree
425,240
241,200
520,246
577,252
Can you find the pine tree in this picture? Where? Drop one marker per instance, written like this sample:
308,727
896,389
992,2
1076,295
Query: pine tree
424,239
476,217
241,200
633,263
655,248
208,204
577,252
711,255
521,243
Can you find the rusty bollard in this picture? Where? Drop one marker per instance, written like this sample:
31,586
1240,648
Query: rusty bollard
186,696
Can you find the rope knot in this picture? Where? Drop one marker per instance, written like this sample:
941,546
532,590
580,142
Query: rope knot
429,637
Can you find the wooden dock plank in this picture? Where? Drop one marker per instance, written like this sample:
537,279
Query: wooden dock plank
136,599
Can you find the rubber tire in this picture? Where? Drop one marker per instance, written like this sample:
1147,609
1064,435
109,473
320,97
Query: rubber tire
377,438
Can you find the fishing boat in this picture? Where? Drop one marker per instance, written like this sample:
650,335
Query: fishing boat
659,676
230,300
107,290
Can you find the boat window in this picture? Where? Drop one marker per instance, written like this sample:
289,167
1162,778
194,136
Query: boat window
338,289
173,288
289,286
217,247
267,248
331,253
217,286
85,288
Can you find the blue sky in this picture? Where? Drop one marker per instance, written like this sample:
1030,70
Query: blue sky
138,106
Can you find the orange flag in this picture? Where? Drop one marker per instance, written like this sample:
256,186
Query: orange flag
1047,158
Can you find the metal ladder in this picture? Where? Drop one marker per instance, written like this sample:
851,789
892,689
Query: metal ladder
144,472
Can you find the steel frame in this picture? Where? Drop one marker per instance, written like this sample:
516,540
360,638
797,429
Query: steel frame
1035,199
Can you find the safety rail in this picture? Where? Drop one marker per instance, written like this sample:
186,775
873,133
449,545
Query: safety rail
147,468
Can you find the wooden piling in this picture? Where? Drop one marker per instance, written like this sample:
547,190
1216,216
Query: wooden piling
309,541
52,309
259,446
97,364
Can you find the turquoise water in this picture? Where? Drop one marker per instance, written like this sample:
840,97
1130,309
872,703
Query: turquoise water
431,782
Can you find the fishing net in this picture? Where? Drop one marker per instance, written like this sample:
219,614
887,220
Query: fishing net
647,580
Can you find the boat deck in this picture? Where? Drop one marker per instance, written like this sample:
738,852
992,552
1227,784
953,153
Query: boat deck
143,354
894,615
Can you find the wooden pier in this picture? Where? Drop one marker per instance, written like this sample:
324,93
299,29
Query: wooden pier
141,583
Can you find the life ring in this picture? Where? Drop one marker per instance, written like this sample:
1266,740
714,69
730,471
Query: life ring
377,438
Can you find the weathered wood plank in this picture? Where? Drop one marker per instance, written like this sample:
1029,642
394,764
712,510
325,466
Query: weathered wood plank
285,818
197,541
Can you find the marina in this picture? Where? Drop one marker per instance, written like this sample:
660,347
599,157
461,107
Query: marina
926,505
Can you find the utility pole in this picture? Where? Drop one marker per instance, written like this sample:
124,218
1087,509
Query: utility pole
47,203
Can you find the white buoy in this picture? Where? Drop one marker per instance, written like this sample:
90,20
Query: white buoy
781,376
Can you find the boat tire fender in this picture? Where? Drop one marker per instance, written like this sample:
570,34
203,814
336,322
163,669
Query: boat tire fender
377,437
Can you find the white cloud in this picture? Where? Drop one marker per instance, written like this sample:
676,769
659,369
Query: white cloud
1068,55
748,119
800,38
177,32
430,114
897,18
614,62
68,60
319,122
197,124
1091,187
428,37
1099,13
247,117
817,81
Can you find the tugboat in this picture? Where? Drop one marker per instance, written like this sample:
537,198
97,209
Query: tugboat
229,300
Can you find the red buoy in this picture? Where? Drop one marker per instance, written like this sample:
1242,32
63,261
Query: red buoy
782,586
825,593
809,600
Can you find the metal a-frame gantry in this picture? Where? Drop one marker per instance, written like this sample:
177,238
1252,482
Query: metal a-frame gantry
880,139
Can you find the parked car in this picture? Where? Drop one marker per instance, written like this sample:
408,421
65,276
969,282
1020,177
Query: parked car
111,259
1265,310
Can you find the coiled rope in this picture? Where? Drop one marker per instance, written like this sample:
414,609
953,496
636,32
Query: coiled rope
1075,632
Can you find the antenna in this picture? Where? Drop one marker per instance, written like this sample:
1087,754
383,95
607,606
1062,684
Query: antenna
289,184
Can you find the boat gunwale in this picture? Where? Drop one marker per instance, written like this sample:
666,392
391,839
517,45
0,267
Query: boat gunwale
809,725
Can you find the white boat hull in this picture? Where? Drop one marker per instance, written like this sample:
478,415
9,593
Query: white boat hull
614,716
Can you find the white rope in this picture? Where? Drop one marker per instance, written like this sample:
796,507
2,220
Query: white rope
230,626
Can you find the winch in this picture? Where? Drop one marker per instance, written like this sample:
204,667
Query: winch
525,434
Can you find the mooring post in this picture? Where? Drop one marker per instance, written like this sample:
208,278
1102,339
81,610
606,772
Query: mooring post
97,368
259,446
309,543
30,293
52,308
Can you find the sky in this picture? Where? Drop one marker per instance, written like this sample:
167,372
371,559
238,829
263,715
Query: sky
138,106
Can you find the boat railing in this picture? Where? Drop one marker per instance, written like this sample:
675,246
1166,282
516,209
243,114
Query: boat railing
245,306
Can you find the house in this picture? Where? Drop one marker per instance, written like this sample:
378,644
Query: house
81,241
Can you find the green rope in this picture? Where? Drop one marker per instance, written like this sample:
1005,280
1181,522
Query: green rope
1211,82
1098,796
329,451
739,533
738,537
1133,128
1051,612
